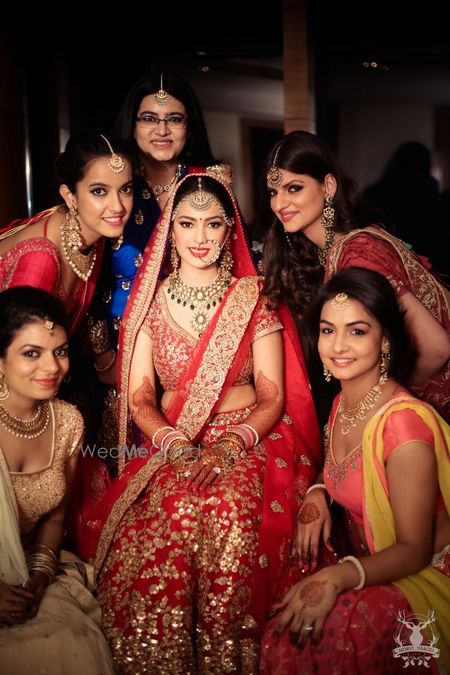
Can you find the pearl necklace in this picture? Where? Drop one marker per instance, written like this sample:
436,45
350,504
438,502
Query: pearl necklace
349,417
26,428
200,299
158,189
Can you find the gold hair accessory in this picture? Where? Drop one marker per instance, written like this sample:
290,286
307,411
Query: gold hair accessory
49,326
327,220
162,97
26,428
340,301
223,172
199,299
4,389
274,175
71,241
116,162
201,200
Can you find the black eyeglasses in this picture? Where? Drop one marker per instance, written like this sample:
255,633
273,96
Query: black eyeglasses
174,121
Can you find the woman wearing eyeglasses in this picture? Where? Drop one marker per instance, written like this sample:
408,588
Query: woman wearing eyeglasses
162,119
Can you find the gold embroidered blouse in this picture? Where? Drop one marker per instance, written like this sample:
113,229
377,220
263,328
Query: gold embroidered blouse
39,492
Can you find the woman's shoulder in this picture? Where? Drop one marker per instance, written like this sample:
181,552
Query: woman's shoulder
68,416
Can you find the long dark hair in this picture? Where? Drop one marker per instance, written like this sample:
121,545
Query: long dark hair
82,148
197,151
378,298
22,305
292,271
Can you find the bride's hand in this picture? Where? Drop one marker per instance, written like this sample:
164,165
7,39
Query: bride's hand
207,470
313,523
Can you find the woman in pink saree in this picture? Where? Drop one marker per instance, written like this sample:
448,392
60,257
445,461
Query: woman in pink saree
206,513
385,607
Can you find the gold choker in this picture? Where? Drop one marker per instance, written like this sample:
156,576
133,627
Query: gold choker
200,299
26,428
349,417
81,263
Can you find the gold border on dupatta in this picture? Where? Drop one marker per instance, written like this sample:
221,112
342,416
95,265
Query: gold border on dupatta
218,356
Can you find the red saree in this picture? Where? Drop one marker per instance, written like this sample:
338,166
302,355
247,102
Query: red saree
377,250
36,262
176,570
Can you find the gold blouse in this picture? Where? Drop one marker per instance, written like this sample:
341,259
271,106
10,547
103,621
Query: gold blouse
39,492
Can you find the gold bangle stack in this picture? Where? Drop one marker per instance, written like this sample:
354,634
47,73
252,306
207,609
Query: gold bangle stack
234,446
179,449
42,559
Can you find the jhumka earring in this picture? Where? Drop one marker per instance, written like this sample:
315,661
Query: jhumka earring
326,373
385,359
162,97
116,162
226,261
174,259
327,220
72,241
4,389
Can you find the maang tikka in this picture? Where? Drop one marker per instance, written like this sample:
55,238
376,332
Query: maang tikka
274,175
116,162
162,97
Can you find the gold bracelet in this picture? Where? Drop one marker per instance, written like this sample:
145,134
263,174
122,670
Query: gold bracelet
103,369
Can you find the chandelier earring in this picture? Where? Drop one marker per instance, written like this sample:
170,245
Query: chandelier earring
226,260
174,258
72,243
4,389
385,360
327,220
326,373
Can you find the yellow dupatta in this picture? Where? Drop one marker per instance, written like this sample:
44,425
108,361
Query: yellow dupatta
429,588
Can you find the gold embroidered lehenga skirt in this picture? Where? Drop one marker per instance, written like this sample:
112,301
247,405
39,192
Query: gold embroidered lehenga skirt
175,584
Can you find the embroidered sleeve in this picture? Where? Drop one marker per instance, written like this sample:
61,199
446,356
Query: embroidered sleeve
37,265
265,320
371,252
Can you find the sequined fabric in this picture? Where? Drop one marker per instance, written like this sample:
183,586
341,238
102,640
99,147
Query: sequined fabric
175,346
175,585
39,492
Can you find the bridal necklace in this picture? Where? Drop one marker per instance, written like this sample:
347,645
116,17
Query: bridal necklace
158,189
81,263
26,428
349,417
199,299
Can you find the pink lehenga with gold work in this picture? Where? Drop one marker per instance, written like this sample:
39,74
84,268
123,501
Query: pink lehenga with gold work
178,571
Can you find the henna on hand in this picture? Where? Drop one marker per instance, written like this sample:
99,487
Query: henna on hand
313,593
309,513
268,410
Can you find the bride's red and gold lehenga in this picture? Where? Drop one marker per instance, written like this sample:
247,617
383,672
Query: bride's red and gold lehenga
185,580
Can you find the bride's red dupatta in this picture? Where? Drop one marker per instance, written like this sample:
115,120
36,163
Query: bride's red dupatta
293,446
